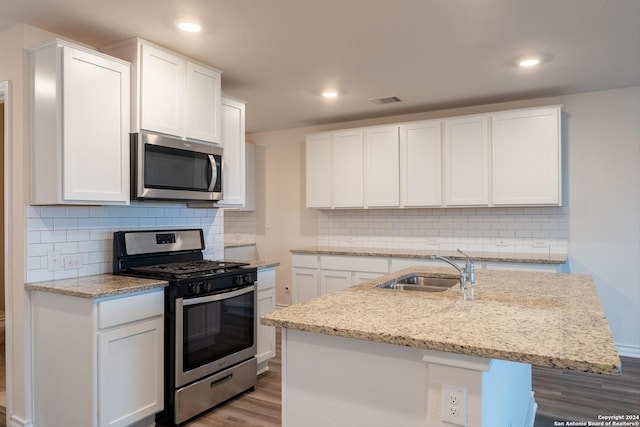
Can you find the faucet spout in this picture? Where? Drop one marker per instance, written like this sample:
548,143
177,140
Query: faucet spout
463,272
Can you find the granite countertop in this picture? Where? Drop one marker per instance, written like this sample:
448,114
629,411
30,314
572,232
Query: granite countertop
229,245
99,286
107,285
544,319
426,254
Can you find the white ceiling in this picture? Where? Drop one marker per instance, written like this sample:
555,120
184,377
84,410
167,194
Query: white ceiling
433,54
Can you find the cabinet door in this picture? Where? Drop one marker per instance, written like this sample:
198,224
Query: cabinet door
318,174
162,92
466,161
233,179
305,284
382,168
333,281
202,104
266,345
421,164
130,372
347,158
525,147
95,125
364,276
266,336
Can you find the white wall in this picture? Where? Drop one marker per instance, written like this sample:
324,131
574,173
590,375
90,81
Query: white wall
13,68
602,173
604,203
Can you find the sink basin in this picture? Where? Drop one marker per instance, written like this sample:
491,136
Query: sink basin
417,282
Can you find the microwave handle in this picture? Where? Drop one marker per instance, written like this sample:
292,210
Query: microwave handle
214,172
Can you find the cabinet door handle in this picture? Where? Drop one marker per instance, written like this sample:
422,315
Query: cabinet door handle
221,380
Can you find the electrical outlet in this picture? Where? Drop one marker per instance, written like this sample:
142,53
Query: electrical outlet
454,405
72,261
54,261
540,244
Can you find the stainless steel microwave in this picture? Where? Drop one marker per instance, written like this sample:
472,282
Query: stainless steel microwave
167,168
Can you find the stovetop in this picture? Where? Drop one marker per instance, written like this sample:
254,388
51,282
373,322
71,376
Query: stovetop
188,269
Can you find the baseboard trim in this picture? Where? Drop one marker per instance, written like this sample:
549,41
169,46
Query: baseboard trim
19,422
628,350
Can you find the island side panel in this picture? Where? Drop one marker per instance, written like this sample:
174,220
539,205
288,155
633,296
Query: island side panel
333,381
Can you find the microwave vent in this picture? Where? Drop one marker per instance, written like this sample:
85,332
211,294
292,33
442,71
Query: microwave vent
385,100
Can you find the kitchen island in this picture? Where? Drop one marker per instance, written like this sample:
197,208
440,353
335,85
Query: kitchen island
372,356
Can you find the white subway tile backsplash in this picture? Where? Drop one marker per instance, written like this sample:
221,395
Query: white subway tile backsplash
88,232
448,229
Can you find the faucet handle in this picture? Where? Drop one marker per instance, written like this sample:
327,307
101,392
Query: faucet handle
470,269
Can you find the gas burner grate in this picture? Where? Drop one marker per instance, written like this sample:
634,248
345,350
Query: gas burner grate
188,269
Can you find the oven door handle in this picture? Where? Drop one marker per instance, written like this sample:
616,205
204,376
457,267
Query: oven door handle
218,297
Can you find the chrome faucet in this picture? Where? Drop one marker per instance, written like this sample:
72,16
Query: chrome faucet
462,270
467,273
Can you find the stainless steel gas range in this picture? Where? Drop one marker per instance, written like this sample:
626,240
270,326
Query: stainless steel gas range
210,318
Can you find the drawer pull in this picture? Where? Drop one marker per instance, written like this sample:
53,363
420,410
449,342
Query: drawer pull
221,380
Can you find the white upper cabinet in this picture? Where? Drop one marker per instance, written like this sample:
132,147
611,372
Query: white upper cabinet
79,126
421,164
526,157
347,158
318,173
233,137
507,158
203,104
382,153
162,94
466,161
172,94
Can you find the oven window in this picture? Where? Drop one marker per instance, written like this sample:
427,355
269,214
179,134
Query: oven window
213,330
171,168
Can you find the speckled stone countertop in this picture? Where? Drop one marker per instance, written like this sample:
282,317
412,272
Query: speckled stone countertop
544,319
99,286
107,285
425,254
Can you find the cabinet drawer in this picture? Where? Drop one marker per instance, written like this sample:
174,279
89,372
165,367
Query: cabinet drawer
129,309
266,278
306,261
356,263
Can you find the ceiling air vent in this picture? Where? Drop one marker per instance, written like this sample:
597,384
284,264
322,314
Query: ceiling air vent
385,100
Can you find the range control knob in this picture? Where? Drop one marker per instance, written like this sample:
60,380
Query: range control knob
248,278
238,280
196,288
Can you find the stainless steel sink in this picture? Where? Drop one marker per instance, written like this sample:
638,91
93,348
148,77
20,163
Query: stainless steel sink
420,282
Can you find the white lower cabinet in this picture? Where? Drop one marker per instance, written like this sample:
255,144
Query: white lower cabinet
521,266
317,275
108,354
334,281
266,336
305,278
313,275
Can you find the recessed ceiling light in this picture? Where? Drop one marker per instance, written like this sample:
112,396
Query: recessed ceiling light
529,62
190,26
330,94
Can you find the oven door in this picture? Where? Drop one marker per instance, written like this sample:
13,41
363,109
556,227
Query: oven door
173,169
214,332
